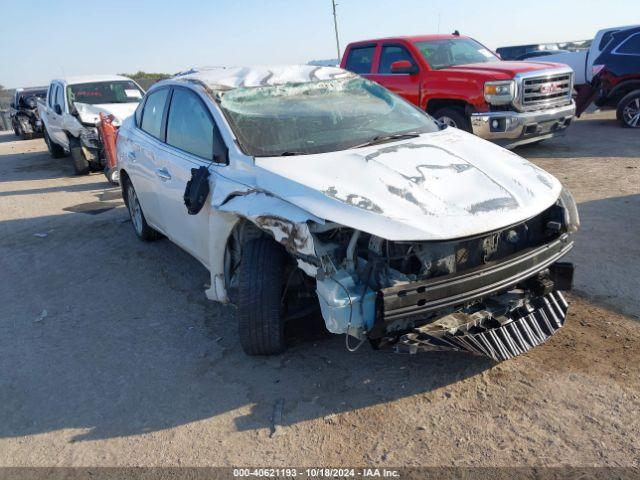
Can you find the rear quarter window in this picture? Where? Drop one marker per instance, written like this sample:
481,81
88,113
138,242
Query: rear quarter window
630,46
606,38
360,59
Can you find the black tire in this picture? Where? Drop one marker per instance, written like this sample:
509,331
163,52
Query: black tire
27,136
143,231
16,130
80,163
55,150
628,111
260,319
454,117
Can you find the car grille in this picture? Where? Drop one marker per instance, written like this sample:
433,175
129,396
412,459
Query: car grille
546,91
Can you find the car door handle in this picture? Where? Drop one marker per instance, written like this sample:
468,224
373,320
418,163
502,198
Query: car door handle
163,174
131,155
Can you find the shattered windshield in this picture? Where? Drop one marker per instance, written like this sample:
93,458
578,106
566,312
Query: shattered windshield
96,93
318,117
454,51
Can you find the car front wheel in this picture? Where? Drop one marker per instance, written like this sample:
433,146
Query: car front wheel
453,117
55,150
140,226
260,303
80,163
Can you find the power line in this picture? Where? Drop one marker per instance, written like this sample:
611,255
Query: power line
335,25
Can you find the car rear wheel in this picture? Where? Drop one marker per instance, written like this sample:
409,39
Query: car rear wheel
628,111
16,130
260,303
55,150
453,117
80,163
140,226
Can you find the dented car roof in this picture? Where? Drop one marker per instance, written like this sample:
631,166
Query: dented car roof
225,78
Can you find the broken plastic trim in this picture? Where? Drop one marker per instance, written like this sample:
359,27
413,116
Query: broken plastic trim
516,333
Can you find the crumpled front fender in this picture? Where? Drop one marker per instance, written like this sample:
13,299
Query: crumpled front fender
284,221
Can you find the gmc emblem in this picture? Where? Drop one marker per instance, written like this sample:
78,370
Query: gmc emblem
550,88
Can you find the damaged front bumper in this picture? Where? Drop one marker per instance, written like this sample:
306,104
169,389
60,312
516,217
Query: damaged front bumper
511,128
92,147
432,295
500,310
498,335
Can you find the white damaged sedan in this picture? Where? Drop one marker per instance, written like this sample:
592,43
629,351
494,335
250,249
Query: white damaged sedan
310,188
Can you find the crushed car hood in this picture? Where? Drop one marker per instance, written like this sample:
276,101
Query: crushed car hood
91,113
443,185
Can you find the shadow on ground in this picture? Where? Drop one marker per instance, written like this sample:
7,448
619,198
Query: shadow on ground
129,344
607,253
36,164
600,133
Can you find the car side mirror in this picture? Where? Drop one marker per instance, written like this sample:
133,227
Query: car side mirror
403,66
58,109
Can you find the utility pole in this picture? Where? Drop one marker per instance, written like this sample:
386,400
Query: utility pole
335,25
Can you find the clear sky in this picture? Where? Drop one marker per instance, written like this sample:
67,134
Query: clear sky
41,39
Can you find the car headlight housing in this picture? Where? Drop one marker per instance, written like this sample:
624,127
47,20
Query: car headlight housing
571,217
500,93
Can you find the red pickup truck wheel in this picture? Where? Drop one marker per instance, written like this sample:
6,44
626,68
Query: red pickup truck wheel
453,117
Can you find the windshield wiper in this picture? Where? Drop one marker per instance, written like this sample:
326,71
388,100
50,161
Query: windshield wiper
387,138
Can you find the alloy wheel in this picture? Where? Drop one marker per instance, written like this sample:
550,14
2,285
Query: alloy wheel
450,122
134,209
631,113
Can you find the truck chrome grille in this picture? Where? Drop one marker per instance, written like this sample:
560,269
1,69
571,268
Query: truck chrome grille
516,334
546,91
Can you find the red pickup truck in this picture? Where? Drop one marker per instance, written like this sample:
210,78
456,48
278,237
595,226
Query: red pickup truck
462,83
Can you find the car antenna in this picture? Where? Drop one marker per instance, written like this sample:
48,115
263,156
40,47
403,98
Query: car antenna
456,33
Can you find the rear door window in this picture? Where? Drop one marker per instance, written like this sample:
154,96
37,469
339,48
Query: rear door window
631,46
391,54
153,111
189,125
360,59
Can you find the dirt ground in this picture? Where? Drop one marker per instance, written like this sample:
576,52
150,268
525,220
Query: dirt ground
111,355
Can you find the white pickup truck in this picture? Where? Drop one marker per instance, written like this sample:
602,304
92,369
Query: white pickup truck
72,110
